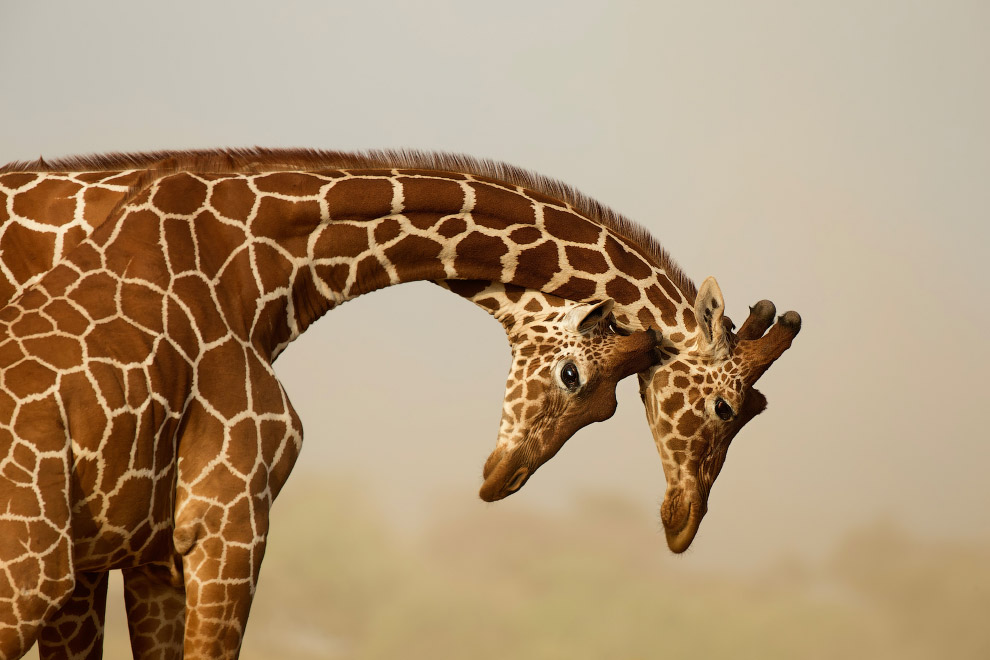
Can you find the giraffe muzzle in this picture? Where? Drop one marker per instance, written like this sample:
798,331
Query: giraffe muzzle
681,515
518,479
503,476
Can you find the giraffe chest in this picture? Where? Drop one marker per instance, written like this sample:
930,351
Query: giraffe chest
83,384
107,418
105,381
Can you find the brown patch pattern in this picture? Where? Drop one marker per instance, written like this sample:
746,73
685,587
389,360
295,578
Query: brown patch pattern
420,225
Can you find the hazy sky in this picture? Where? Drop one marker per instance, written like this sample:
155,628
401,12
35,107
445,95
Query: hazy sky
833,157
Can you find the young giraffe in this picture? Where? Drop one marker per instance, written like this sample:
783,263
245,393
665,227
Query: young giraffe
213,275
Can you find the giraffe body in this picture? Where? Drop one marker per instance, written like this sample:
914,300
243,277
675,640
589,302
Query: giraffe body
151,320
703,362
50,211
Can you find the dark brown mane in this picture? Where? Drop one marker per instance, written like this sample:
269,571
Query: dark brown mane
258,159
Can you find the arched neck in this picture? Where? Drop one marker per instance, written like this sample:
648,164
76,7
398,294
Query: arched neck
283,247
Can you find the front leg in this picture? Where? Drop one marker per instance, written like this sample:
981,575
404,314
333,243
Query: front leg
36,567
156,611
76,630
221,576
232,464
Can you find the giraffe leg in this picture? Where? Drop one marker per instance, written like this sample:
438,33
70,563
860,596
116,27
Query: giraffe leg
229,471
221,573
76,630
221,532
156,610
36,576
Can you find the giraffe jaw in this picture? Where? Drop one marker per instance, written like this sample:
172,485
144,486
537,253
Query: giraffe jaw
497,489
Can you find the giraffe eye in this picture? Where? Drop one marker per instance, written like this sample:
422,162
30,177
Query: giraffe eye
569,376
723,410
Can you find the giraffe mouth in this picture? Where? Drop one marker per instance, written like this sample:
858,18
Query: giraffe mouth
500,482
681,520
498,478
507,470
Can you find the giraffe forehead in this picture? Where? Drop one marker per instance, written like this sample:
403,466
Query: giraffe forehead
697,370
731,375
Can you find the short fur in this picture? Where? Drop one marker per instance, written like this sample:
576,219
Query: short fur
260,159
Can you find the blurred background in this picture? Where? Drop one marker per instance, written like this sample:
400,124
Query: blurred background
833,157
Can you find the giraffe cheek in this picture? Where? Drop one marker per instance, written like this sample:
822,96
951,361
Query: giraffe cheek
601,406
688,424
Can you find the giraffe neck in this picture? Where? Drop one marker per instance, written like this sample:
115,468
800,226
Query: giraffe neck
285,247
50,212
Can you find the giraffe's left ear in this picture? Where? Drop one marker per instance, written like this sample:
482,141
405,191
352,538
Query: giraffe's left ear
708,310
585,316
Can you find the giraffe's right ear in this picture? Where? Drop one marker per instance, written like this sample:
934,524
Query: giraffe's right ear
585,316
708,310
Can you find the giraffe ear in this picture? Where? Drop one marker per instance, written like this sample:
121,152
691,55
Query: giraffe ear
585,316
708,310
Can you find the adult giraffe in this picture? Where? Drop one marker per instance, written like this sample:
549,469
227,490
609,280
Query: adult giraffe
704,363
211,276
46,209
707,367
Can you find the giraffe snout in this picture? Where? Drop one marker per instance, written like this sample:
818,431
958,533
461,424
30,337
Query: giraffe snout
518,479
681,515
499,476
505,473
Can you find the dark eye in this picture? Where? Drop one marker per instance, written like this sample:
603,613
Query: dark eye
723,410
569,376
614,328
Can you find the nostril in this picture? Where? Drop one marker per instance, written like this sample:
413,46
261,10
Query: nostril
517,479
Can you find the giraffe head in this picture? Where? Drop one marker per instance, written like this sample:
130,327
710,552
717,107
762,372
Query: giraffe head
698,401
566,363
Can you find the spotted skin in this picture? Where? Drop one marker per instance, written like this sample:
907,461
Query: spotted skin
691,439
152,340
552,338
700,397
